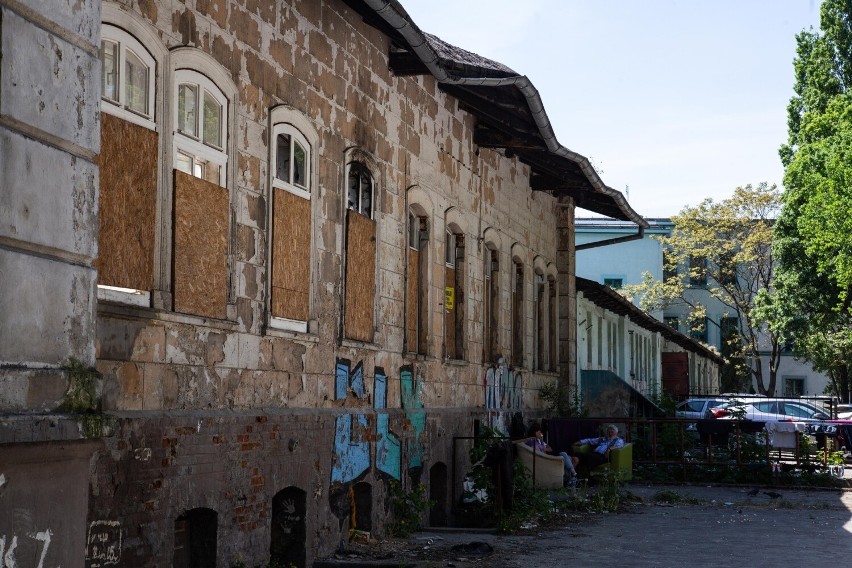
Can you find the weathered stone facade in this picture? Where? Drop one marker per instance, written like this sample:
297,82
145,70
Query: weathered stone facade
222,417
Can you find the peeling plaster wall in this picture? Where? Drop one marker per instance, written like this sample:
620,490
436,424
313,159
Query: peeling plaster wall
224,414
49,138
48,223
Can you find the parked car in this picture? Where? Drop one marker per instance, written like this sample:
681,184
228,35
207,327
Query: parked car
770,410
844,411
698,407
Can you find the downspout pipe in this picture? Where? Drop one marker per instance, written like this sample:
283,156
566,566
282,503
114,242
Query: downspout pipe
614,241
395,15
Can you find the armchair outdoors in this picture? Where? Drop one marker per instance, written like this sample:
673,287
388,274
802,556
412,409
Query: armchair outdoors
620,460
548,469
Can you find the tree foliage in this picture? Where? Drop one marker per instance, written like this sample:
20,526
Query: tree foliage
726,246
813,236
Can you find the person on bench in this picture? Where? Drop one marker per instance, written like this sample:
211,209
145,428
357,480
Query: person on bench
536,441
600,449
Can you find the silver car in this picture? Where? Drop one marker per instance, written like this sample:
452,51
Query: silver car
771,410
698,407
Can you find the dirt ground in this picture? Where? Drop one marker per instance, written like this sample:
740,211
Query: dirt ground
660,526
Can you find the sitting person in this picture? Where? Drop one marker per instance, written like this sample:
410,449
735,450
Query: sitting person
536,441
600,449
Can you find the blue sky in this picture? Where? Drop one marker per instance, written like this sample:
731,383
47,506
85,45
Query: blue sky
680,100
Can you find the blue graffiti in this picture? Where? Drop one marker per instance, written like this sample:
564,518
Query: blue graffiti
351,440
412,404
352,437
388,446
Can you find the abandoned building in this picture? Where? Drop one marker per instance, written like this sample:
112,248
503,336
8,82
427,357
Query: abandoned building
260,258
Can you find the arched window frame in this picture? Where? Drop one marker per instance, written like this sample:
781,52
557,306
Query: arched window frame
122,25
357,202
284,119
363,199
419,229
290,184
126,44
195,147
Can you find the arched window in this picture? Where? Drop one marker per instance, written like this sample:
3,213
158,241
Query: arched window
416,284
518,314
360,189
491,304
129,161
292,178
292,160
360,255
540,322
201,127
454,294
128,73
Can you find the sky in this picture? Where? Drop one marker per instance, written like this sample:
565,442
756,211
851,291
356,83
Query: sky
673,101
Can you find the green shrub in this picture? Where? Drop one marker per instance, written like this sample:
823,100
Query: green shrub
408,508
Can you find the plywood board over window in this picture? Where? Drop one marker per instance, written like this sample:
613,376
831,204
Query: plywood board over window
201,247
128,204
450,315
360,276
291,255
412,300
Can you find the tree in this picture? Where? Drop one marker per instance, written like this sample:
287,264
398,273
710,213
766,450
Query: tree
813,235
723,251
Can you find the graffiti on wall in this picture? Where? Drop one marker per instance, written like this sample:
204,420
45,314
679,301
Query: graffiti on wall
103,544
388,446
353,438
503,393
411,393
351,431
9,553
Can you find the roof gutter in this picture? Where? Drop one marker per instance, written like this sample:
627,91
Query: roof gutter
614,241
395,15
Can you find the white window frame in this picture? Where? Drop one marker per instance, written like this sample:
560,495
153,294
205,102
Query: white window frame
195,147
360,205
450,249
118,108
298,136
295,133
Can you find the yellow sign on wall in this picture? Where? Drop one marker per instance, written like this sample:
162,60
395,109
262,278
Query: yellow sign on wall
449,298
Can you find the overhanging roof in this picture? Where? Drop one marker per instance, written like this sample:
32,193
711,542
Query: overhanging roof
510,113
609,299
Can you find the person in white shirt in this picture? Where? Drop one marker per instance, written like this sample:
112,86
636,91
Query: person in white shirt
600,451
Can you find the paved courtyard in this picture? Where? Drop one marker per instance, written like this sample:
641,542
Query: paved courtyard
727,527
704,527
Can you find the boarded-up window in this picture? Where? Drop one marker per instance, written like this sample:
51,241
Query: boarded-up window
128,204
360,276
412,291
540,324
492,296
552,333
518,317
416,300
200,247
454,296
291,255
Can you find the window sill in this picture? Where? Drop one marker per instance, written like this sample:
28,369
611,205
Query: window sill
306,336
543,373
456,362
356,344
109,308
